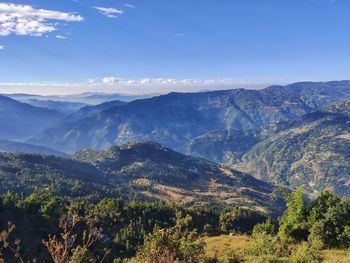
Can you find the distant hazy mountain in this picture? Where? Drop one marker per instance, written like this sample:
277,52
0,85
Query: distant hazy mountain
177,118
11,146
20,120
64,107
89,111
92,98
313,151
144,169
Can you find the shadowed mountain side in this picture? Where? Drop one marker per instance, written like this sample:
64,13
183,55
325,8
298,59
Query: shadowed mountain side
20,120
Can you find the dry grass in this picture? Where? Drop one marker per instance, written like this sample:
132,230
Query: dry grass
219,246
336,256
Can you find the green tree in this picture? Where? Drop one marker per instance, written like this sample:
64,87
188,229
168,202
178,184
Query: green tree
292,222
329,217
239,220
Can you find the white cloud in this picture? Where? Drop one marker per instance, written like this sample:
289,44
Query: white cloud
166,82
110,80
26,20
90,81
129,86
109,11
129,5
179,34
2,47
61,37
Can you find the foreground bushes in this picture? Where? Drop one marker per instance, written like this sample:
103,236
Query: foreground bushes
112,230
304,229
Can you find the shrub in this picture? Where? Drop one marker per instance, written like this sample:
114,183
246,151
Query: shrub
177,244
262,244
307,252
232,257
264,228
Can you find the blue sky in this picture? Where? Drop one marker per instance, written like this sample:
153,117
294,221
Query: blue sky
141,46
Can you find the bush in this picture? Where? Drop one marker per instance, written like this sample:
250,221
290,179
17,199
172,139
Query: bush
232,257
263,244
177,244
264,228
307,252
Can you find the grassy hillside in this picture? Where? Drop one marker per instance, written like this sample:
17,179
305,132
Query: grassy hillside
142,170
160,173
220,246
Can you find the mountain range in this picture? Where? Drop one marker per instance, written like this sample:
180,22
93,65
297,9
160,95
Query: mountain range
290,135
90,98
64,107
20,120
176,118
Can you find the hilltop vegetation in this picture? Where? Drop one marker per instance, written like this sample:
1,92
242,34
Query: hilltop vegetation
144,169
26,173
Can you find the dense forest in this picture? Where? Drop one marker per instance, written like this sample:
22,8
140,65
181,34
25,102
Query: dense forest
44,227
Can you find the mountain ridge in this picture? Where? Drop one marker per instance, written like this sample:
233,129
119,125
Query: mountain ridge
176,118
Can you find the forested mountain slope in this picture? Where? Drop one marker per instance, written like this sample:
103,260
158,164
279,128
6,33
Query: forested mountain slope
224,146
313,151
